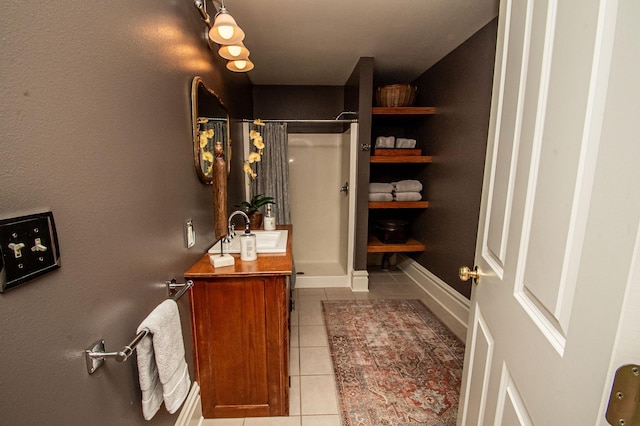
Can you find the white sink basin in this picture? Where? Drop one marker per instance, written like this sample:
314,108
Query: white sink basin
266,242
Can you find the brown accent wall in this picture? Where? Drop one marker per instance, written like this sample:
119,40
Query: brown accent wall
460,87
358,97
95,126
300,103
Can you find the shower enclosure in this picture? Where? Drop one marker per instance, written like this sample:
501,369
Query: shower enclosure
322,177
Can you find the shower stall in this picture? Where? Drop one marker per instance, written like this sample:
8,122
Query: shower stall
322,173
322,182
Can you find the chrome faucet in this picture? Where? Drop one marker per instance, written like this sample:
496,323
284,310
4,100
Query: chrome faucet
231,232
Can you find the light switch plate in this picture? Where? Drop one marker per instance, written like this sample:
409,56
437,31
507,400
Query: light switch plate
189,234
28,249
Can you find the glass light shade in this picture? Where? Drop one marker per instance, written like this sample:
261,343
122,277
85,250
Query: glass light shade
225,30
240,65
234,52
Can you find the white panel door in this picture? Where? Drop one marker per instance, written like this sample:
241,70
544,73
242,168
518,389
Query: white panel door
559,217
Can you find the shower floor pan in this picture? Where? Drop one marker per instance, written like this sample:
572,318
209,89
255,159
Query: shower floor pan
320,274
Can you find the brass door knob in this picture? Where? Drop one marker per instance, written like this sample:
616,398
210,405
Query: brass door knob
465,273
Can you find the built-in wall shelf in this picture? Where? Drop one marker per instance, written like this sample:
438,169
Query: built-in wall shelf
398,204
403,110
376,246
391,159
401,122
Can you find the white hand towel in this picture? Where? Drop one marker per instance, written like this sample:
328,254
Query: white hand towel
407,196
162,369
405,143
380,196
380,187
385,141
409,185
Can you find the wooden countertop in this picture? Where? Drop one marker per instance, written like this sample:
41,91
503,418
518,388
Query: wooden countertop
266,264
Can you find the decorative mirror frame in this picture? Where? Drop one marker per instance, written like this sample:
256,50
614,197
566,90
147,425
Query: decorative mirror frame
196,107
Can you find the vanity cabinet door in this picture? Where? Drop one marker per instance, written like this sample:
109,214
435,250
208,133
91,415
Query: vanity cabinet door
241,345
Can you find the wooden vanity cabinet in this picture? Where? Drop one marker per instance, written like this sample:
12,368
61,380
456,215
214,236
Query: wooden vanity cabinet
240,323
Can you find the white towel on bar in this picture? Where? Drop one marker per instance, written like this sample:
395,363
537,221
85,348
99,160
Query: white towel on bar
380,187
409,185
162,369
407,196
380,196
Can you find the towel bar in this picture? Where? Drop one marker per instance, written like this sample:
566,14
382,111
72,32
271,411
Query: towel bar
96,354
172,286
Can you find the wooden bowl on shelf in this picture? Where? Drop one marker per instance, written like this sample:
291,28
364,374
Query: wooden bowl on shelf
396,95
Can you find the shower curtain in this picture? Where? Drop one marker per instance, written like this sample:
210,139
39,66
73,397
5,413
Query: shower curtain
219,134
273,169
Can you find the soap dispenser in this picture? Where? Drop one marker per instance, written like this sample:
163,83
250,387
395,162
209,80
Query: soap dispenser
248,245
269,220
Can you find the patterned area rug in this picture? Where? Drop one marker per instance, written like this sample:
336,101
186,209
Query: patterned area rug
395,363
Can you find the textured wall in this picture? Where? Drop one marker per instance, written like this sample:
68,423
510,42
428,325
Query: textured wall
358,97
300,103
460,88
95,126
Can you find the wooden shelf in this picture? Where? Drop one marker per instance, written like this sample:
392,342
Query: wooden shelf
403,110
398,204
389,159
387,118
397,152
376,246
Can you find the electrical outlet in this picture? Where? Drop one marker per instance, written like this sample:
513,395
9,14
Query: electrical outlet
28,249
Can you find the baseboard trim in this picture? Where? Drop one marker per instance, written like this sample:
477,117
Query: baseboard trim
191,413
449,305
360,281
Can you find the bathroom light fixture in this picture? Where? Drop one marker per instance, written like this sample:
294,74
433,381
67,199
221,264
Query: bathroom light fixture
225,31
234,52
240,65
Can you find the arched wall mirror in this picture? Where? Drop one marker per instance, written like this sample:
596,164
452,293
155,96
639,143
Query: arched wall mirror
210,122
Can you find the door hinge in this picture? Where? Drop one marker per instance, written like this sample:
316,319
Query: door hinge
624,401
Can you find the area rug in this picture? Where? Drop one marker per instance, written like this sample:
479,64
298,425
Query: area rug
395,363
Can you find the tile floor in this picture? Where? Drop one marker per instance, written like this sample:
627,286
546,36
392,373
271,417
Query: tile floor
313,396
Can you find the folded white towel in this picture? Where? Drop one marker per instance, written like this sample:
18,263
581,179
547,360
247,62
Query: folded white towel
385,141
407,196
162,369
405,143
380,187
380,196
409,185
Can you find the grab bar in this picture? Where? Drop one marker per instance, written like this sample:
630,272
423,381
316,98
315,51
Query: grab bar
96,354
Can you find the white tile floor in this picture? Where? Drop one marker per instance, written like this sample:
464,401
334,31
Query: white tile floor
313,396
